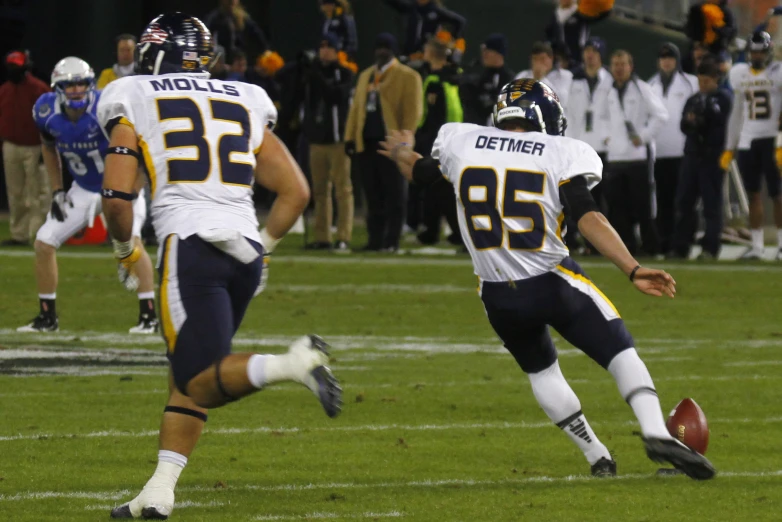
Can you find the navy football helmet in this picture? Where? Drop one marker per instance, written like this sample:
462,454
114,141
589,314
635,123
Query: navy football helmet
174,43
534,101
760,42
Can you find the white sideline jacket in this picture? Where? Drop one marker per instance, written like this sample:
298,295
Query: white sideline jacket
669,142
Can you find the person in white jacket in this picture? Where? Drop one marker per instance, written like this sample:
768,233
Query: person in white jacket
542,69
674,87
635,114
590,87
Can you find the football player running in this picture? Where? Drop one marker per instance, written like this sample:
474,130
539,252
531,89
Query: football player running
512,185
203,142
70,130
753,129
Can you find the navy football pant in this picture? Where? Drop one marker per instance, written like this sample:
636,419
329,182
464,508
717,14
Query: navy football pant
564,299
204,294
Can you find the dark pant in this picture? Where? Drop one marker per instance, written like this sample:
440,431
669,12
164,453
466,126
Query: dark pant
629,192
204,294
564,299
386,192
701,177
666,176
439,202
760,162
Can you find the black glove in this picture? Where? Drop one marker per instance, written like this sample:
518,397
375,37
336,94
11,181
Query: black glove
60,203
350,148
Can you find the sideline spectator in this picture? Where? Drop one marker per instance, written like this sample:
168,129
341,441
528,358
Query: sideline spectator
338,20
26,183
238,67
704,121
442,105
479,89
125,66
570,24
674,87
232,27
712,25
635,115
388,97
326,105
425,19
542,69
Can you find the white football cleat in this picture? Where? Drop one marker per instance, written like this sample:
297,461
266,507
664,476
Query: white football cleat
146,325
155,503
309,360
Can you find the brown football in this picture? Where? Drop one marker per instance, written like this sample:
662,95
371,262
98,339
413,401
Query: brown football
687,423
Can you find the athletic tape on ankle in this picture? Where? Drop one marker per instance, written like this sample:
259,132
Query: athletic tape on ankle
185,411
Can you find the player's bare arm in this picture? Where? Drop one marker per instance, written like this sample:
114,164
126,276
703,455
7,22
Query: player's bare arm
278,171
119,178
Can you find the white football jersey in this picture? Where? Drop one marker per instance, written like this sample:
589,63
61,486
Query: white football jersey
507,193
198,138
760,95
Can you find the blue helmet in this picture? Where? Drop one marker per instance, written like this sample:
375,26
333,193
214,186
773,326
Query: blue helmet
174,43
69,72
534,101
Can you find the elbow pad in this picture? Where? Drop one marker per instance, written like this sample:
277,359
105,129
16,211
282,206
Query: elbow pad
577,199
426,171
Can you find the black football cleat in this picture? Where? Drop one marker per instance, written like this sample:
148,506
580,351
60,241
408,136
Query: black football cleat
604,468
149,513
41,323
329,391
686,460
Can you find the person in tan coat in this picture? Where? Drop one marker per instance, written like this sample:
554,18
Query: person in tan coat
389,96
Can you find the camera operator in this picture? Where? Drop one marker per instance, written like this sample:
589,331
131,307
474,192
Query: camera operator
326,103
704,121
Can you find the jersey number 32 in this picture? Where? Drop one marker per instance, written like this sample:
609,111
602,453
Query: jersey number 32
198,169
478,191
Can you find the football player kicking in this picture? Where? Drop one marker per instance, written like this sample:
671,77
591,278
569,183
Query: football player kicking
753,128
512,184
69,130
203,142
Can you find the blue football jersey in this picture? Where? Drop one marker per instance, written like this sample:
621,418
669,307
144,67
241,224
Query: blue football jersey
82,144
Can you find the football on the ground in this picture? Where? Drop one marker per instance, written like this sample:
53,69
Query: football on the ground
687,423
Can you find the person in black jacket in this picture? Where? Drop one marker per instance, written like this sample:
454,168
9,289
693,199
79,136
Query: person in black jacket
704,122
338,20
424,19
569,29
480,86
326,103
231,26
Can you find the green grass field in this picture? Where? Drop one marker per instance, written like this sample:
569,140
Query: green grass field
438,422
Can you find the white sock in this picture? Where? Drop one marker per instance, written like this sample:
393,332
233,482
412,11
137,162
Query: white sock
146,295
256,369
47,296
757,239
169,465
779,238
263,370
562,406
637,388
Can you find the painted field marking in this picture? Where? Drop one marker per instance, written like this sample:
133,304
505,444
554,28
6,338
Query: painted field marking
344,429
179,505
429,483
319,515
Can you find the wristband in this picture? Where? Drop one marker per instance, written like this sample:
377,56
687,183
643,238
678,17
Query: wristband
632,274
268,242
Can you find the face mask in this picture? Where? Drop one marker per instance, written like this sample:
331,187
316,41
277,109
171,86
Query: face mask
758,64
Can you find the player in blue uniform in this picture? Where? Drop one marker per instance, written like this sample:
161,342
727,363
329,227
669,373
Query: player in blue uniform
71,134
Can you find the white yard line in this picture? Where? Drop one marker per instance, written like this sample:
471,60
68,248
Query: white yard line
432,483
753,363
726,266
319,515
179,505
349,429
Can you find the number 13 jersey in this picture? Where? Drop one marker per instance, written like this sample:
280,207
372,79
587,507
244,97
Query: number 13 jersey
757,102
507,195
198,138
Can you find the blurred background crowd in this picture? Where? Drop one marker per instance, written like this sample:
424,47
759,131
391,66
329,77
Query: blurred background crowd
634,76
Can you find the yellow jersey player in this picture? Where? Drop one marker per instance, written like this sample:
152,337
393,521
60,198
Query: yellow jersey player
202,142
753,129
513,184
